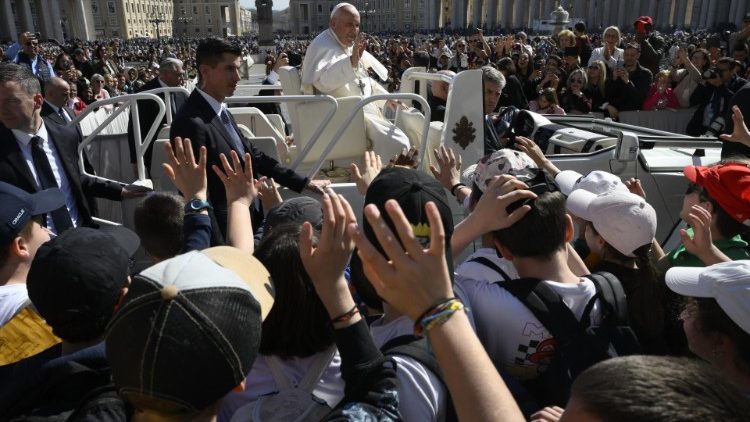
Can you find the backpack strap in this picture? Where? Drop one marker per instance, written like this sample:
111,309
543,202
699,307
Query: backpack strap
312,376
547,306
487,263
316,371
610,290
418,349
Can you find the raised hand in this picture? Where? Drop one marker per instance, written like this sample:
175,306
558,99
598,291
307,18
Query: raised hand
410,278
239,183
448,171
373,165
325,261
188,176
268,193
408,159
740,133
701,244
634,186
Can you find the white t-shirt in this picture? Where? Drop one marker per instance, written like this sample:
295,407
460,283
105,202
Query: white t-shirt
515,340
421,393
260,382
13,297
478,271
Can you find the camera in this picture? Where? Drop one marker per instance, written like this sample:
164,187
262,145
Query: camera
711,73
538,64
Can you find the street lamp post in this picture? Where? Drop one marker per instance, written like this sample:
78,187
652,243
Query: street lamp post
367,13
185,20
157,19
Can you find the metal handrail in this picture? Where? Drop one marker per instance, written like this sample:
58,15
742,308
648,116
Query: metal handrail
125,100
429,77
295,98
169,89
349,118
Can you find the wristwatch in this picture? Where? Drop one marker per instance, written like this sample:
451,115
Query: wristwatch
196,205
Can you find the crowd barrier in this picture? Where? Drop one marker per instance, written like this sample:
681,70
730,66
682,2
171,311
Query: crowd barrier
669,120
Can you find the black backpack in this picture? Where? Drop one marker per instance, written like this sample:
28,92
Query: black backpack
579,344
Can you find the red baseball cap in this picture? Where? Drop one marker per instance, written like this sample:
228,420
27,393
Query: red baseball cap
646,20
727,184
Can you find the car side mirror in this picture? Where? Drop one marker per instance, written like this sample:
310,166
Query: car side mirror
627,146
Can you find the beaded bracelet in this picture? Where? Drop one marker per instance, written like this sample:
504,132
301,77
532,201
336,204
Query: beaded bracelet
437,315
346,316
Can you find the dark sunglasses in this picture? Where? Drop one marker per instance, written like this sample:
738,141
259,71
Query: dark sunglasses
573,81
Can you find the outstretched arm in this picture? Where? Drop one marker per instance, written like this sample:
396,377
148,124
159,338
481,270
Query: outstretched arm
416,281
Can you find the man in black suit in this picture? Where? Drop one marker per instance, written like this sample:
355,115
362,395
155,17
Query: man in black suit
56,94
36,156
205,120
170,75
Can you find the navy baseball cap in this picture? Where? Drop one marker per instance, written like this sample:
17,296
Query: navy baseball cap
17,207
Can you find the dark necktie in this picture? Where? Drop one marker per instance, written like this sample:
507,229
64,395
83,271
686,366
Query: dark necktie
233,132
62,114
60,216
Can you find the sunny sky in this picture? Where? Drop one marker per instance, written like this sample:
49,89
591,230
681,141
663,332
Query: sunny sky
277,4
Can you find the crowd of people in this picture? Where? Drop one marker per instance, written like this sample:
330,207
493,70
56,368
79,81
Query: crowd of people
260,308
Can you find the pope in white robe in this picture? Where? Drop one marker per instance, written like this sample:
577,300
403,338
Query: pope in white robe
327,69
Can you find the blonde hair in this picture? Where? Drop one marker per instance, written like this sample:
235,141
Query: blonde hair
613,28
602,76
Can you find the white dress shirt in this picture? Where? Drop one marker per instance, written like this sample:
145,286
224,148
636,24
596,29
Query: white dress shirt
24,142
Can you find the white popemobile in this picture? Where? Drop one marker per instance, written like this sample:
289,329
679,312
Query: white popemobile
330,133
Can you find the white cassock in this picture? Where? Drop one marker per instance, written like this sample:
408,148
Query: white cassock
328,69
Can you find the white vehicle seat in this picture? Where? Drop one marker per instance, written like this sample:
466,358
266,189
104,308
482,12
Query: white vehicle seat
408,86
353,143
306,116
259,125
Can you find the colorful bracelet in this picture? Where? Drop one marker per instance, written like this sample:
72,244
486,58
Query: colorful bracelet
437,315
346,316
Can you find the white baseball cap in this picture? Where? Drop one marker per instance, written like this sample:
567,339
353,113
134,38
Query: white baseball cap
728,283
596,182
500,162
625,220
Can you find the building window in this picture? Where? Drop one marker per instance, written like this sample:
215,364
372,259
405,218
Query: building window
111,7
208,21
95,6
320,8
112,21
210,30
127,7
208,9
197,30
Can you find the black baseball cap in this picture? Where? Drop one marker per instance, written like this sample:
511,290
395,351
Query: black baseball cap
412,190
294,211
76,279
17,207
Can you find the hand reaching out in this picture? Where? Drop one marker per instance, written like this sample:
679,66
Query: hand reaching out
188,176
